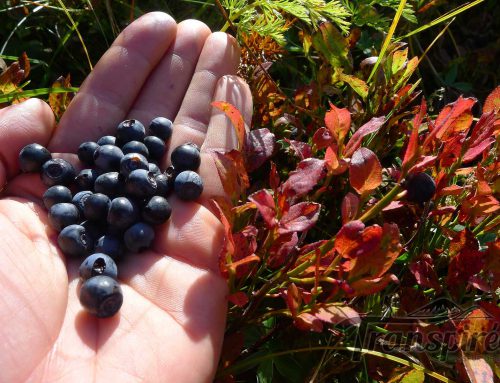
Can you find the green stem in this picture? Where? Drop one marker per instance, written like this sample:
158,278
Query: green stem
385,201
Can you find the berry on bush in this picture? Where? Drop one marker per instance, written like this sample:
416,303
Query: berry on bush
420,187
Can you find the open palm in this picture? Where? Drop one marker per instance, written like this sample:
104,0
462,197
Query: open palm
171,324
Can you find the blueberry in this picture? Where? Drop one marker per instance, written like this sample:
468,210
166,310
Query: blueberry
161,127
101,296
141,184
156,211
163,185
130,130
95,207
74,241
80,198
188,185
110,245
106,140
420,187
86,178
122,213
131,162
108,157
156,147
153,168
56,194
135,147
139,237
57,172
86,152
32,157
98,264
186,157
95,229
62,215
110,184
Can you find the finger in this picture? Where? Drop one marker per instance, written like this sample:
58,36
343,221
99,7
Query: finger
108,92
221,134
22,124
165,88
220,56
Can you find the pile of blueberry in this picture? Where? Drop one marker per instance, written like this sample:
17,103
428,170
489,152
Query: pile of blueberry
110,207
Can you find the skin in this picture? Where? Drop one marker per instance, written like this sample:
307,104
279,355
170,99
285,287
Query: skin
171,324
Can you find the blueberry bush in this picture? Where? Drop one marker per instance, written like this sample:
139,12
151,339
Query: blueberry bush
364,196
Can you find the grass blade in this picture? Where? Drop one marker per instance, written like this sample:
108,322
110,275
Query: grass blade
35,93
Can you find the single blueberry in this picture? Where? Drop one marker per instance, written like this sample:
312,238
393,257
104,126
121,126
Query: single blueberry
57,172
108,157
32,157
86,178
153,168
140,183
110,184
161,127
139,237
135,147
420,187
106,140
188,185
130,130
62,215
80,198
86,152
156,147
164,185
95,229
98,264
156,211
96,206
74,241
56,194
186,157
101,296
110,245
131,162
122,213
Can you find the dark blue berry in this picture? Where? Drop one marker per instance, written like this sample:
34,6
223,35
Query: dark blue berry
56,194
106,140
130,130
141,183
101,296
86,178
57,172
32,157
153,168
139,237
110,184
74,241
131,162
95,229
164,185
156,211
156,147
96,207
86,152
420,187
186,157
135,147
62,215
98,264
80,198
110,245
188,185
161,127
108,157
122,213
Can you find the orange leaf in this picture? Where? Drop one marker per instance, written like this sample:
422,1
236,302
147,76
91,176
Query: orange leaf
349,207
236,119
367,286
232,172
336,313
338,121
307,321
293,298
412,150
239,299
475,369
492,102
365,171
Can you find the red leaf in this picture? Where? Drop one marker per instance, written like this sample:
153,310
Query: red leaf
245,244
423,163
265,204
355,141
492,103
308,322
228,248
236,119
367,286
365,171
481,137
452,150
475,369
300,217
423,271
338,121
259,148
322,138
239,299
281,248
412,148
244,262
274,177
349,207
293,298
232,172
336,313
302,180
301,149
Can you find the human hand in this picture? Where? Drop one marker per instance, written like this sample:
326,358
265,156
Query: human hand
171,324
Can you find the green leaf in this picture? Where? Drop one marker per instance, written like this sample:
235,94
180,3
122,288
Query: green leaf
333,46
34,93
265,371
358,85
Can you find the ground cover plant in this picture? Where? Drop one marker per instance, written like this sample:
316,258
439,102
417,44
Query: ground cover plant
362,214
